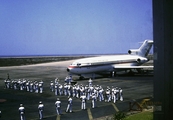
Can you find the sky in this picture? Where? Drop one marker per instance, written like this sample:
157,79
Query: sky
53,27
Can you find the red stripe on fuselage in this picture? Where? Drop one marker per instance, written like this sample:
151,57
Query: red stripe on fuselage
73,66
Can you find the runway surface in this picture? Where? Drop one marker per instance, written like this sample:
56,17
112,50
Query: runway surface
134,87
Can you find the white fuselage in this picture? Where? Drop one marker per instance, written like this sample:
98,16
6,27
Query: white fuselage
106,63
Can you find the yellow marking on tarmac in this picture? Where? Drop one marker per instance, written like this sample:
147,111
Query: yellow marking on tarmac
45,117
88,110
115,107
58,117
89,114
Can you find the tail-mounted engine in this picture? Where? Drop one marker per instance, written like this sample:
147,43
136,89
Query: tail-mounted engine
142,60
133,51
138,60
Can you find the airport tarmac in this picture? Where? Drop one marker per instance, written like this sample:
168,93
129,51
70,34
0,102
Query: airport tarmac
134,87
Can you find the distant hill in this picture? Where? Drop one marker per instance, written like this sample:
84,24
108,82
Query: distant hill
17,61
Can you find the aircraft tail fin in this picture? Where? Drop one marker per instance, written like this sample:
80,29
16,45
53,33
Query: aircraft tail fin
143,50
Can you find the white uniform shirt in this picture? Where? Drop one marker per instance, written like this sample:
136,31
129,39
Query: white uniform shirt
40,106
21,110
70,100
83,98
58,103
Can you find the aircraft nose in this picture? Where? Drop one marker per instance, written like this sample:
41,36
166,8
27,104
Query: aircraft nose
68,70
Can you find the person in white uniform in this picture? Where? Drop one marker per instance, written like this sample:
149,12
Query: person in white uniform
69,105
51,86
58,106
83,100
121,94
93,100
41,86
22,112
40,109
90,82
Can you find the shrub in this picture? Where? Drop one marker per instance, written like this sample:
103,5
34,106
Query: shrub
119,116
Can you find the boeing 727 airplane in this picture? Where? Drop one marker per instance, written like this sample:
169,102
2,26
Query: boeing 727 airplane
112,63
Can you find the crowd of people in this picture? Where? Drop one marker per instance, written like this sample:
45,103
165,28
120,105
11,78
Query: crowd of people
23,84
83,92
90,91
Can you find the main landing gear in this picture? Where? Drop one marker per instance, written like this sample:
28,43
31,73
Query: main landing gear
81,77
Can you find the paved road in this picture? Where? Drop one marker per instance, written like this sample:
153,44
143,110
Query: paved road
134,87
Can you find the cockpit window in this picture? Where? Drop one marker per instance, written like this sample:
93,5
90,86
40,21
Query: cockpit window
78,64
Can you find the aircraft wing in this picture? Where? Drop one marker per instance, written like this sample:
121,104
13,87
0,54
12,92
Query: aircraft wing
131,67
